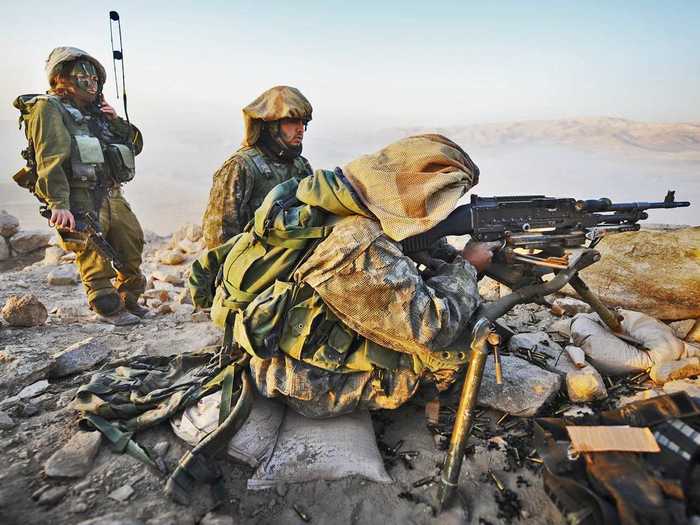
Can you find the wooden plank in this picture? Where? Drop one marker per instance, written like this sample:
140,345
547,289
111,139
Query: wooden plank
612,439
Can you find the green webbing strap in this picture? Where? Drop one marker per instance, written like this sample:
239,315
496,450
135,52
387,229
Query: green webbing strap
198,464
121,441
226,392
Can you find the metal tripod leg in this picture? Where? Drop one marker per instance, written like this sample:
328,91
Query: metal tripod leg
465,413
608,316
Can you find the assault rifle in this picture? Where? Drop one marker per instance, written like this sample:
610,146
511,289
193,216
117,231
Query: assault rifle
534,236
89,230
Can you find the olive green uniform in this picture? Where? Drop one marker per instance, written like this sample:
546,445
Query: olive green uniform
240,186
51,125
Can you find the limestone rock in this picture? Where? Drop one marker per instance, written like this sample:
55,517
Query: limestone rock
654,272
694,334
27,392
162,295
571,306
168,276
6,422
190,232
9,224
184,297
64,275
24,365
24,310
216,519
28,241
52,255
112,518
73,312
4,249
52,496
171,257
681,329
122,494
172,518
541,342
525,389
80,356
189,247
74,459
585,384
681,369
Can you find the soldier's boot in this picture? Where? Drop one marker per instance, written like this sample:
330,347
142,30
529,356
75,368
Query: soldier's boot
132,306
109,309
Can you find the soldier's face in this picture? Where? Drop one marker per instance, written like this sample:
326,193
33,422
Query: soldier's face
85,79
292,131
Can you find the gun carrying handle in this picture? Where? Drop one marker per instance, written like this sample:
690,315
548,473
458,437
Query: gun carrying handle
608,316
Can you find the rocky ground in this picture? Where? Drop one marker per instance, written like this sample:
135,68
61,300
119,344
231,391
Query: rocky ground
53,473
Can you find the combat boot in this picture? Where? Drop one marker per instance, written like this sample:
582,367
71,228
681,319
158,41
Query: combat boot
132,305
109,309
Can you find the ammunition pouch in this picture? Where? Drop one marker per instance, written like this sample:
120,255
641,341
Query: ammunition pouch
86,161
120,160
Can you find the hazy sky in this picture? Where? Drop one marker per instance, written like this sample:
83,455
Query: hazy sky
394,63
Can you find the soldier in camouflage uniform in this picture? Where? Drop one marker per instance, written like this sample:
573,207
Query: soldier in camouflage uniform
271,153
357,323
83,152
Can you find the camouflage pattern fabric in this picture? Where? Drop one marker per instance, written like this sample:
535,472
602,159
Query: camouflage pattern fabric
321,394
239,187
412,184
274,104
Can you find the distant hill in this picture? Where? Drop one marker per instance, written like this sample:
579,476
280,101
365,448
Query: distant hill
679,141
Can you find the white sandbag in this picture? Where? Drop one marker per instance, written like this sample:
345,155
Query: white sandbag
611,355
252,443
683,368
322,449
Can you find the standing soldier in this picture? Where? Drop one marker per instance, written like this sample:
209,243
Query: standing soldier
82,152
271,153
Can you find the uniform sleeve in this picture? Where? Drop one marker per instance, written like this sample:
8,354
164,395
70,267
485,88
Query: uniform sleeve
229,209
202,280
52,147
383,297
128,133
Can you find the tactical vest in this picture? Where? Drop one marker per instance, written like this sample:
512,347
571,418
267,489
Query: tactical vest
94,160
268,174
259,305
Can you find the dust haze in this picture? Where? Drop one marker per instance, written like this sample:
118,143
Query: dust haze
175,169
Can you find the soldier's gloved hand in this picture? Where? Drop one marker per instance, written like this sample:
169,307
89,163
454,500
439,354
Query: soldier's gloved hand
62,219
479,254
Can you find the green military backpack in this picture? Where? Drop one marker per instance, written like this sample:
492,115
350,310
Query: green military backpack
257,265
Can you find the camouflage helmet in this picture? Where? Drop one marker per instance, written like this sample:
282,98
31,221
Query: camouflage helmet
274,104
61,55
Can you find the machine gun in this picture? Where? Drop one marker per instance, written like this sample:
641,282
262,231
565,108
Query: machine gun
534,236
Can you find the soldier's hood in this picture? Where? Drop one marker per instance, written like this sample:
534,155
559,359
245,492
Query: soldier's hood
274,104
61,55
412,184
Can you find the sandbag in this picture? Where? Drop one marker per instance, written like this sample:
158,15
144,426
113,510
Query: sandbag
252,444
611,355
322,449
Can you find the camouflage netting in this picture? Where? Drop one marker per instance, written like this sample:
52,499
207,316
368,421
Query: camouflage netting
60,55
413,184
274,104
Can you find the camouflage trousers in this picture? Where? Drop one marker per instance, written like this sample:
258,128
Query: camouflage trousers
318,393
123,232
